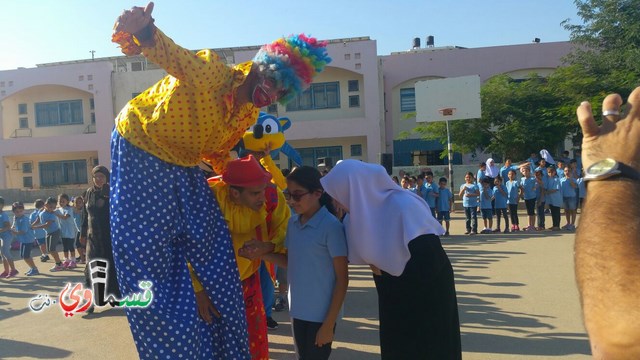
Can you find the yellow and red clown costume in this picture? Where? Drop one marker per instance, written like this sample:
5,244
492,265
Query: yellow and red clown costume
161,213
269,224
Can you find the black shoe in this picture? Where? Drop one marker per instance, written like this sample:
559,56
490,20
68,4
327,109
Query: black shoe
271,324
44,258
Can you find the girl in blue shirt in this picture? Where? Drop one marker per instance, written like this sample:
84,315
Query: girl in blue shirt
469,192
513,196
553,197
49,222
500,195
40,234
5,242
486,196
528,192
316,262
22,230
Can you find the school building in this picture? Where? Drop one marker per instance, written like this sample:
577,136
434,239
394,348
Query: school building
56,118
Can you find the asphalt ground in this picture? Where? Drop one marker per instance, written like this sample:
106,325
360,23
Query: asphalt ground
517,299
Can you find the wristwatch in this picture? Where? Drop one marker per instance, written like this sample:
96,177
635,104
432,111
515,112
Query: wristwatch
609,168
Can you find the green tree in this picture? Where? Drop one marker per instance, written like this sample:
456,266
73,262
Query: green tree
608,43
518,117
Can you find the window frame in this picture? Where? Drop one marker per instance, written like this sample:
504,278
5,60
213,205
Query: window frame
72,172
407,99
55,112
319,96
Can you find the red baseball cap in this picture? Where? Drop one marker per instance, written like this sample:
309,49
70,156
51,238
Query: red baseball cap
245,172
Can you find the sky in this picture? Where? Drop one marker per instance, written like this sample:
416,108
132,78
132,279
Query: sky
44,31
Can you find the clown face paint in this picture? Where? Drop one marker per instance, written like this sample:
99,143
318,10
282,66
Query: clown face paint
265,93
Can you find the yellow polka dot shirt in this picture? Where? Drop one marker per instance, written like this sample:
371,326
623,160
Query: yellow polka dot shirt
191,114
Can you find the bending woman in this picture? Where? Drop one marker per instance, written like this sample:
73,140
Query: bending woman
418,309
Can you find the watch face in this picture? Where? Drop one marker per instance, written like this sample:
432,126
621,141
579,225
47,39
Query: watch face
601,167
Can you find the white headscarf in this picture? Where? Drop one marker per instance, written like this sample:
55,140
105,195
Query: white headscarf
547,157
383,218
492,170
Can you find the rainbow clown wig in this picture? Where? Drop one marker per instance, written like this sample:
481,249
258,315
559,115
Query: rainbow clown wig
292,62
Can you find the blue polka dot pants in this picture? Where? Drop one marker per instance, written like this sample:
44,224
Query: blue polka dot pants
162,215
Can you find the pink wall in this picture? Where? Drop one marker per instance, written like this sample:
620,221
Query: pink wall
66,75
486,62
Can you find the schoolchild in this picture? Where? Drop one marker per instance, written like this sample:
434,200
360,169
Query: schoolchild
5,241
49,222
78,218
21,228
486,196
432,192
541,185
528,193
569,186
469,192
513,197
316,262
68,231
553,195
444,204
500,195
40,234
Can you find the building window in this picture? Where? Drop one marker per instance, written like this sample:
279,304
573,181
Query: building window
53,173
92,104
27,167
93,118
272,109
356,150
24,123
357,56
22,109
354,100
27,182
137,66
59,113
1,83
81,78
310,155
354,85
347,56
318,96
89,77
407,99
96,162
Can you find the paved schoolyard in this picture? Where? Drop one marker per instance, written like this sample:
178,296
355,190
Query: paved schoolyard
516,293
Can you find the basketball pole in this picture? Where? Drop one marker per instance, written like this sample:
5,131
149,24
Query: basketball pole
450,155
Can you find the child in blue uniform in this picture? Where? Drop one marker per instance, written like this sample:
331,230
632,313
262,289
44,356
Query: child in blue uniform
49,222
5,241
469,193
68,231
40,234
500,195
486,196
569,186
22,230
528,193
316,264
444,204
513,197
553,196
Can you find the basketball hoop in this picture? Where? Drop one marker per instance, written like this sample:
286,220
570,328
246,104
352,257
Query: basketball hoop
447,111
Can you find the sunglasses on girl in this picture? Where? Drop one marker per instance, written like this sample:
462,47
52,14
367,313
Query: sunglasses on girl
296,197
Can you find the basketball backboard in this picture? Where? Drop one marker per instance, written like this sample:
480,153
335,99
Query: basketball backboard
455,98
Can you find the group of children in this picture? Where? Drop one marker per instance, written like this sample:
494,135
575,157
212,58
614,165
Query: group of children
53,221
543,187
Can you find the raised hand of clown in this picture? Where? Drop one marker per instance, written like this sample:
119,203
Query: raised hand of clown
134,20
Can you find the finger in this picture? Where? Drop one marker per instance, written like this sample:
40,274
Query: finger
204,314
586,120
148,9
611,106
215,311
633,104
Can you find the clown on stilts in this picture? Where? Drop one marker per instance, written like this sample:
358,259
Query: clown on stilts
162,211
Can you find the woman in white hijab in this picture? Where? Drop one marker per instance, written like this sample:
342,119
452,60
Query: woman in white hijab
414,279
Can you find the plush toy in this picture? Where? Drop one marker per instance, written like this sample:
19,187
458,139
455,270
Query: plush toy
268,135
